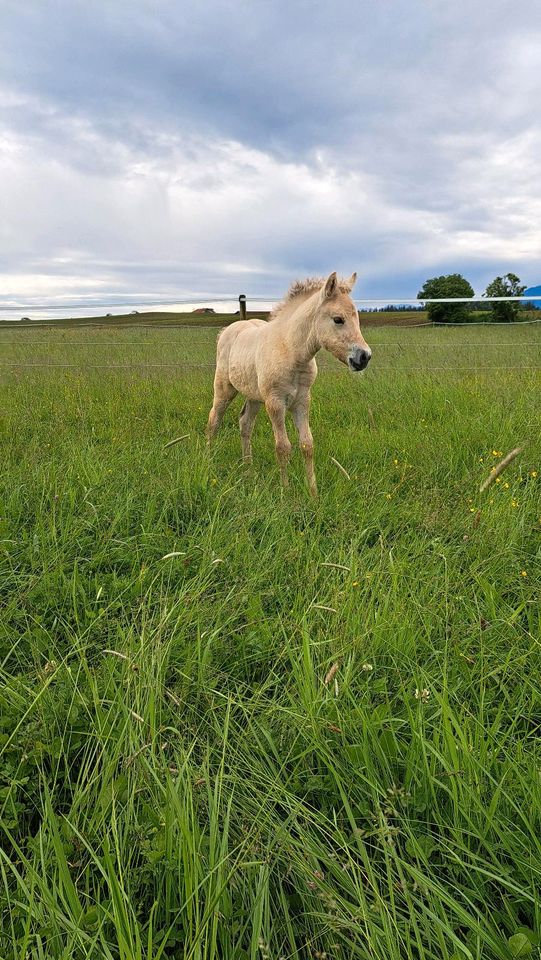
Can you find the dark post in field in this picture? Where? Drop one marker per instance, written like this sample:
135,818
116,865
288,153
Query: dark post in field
242,305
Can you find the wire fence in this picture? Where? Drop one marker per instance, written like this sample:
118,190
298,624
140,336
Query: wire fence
92,304
185,365
120,343
397,343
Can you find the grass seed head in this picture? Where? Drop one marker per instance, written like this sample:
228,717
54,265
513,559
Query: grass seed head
331,673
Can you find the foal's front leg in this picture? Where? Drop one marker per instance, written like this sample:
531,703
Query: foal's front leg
300,413
276,410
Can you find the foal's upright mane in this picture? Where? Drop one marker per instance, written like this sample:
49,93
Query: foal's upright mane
299,291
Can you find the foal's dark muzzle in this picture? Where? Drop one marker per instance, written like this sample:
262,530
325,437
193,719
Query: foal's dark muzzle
359,359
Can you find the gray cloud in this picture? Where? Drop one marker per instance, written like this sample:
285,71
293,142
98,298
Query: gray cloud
160,148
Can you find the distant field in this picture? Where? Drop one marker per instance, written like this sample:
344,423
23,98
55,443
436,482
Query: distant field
238,724
152,318
167,318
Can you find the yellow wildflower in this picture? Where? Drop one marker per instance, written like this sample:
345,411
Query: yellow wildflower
523,573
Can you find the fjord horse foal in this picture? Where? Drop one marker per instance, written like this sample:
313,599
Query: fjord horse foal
272,363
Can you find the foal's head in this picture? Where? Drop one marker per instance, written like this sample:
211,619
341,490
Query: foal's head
337,324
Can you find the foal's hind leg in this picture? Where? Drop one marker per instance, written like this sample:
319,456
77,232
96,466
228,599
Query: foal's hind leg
246,423
277,415
224,393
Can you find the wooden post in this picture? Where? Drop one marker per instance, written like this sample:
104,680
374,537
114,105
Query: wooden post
242,305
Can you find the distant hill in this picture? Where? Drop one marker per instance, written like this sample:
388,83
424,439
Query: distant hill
533,292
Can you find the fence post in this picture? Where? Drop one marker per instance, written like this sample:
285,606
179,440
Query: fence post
242,305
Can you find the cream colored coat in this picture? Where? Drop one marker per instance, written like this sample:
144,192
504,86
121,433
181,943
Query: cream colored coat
272,363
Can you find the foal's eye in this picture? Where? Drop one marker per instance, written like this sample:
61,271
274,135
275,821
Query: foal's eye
338,319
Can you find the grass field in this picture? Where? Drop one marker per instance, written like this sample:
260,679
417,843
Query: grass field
244,725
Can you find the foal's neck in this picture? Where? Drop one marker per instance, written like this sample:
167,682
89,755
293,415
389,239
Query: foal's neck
299,332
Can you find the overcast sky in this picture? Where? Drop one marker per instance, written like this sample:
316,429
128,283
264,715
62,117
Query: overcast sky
165,149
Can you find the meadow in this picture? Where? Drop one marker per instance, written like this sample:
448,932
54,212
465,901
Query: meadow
240,724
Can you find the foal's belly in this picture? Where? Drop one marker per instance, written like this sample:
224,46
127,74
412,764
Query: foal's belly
245,381
243,374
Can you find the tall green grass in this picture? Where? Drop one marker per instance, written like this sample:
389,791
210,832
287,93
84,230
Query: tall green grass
177,779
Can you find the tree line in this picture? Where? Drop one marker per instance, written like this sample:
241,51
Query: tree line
455,285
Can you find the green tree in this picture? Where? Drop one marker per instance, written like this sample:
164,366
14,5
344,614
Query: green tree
507,286
450,285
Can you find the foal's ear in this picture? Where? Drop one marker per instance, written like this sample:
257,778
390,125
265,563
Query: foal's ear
352,281
331,286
